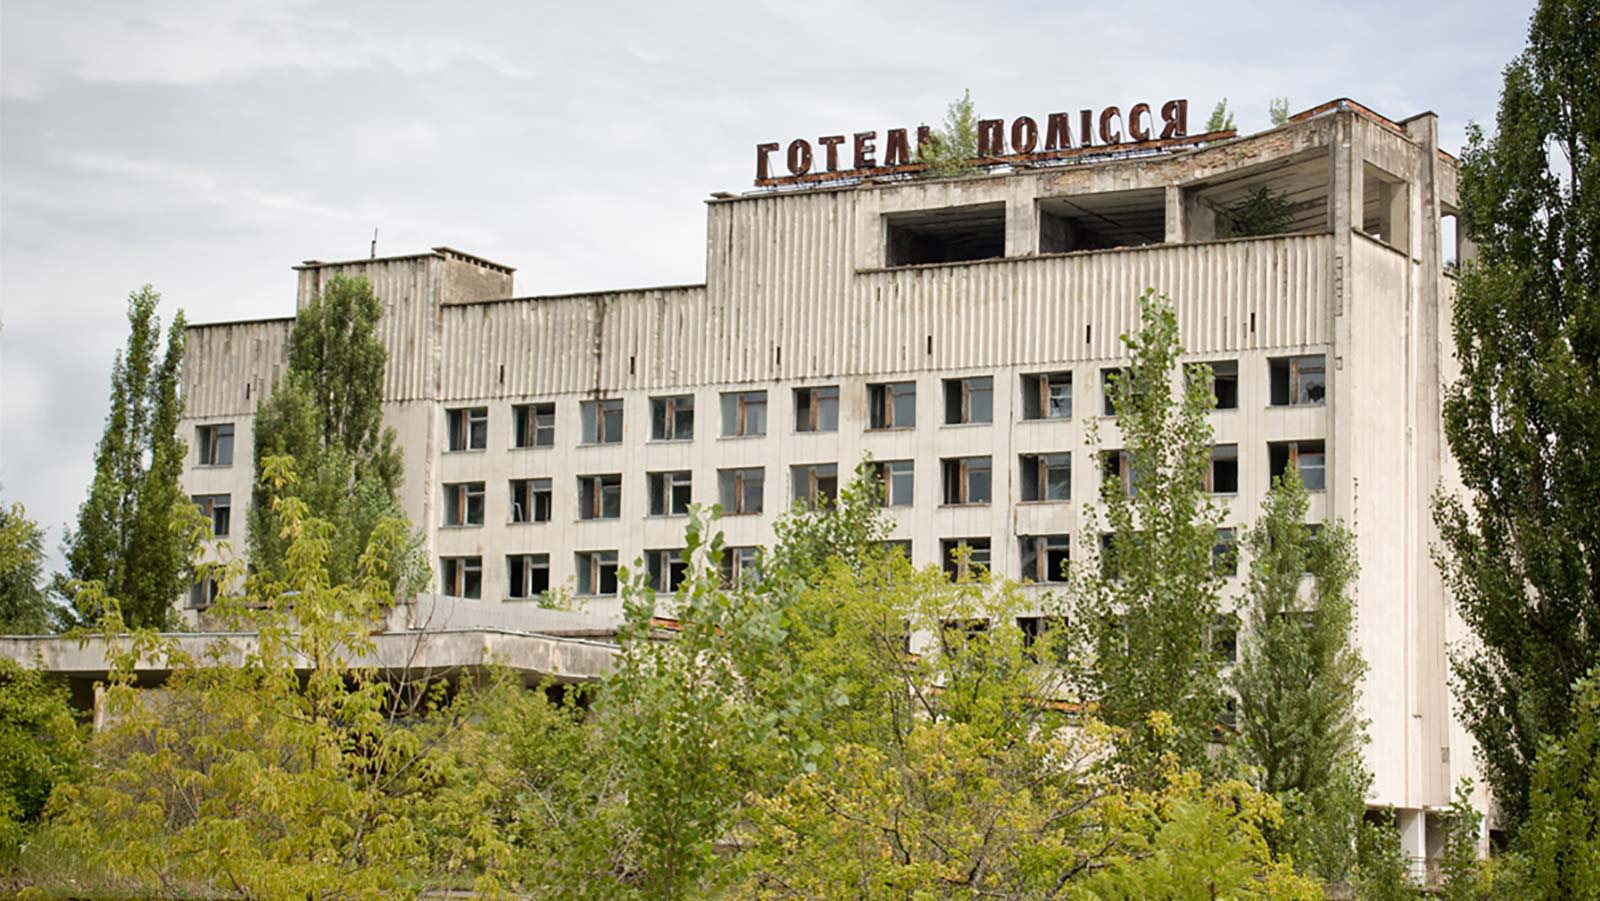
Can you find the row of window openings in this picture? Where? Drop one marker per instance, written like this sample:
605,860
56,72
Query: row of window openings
965,480
1043,559
1295,381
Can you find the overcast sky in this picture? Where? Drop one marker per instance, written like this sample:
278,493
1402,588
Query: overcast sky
206,147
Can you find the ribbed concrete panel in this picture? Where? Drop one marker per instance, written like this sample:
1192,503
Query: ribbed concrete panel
408,287
227,367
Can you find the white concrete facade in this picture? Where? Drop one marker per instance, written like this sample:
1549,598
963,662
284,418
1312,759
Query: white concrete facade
799,292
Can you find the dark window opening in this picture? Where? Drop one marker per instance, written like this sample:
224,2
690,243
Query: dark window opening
463,504
1044,557
1046,477
741,566
533,425
967,480
744,414
602,421
597,572
667,569
669,493
892,405
218,510
816,409
1308,457
215,443
742,491
469,428
964,557
1100,221
969,400
461,577
898,482
1223,477
1298,381
530,500
949,235
527,575
816,485
600,497
1047,395
672,418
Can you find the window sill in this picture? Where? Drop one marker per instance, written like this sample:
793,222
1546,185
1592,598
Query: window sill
740,437
213,466
891,428
728,513
617,443
1318,404
666,515
1046,419
964,425
689,440
1044,502
527,522
598,519
833,431
530,599
533,447
468,450
965,505
460,526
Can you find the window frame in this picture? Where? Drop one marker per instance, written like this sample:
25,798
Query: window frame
594,489
1040,397
209,507
663,486
736,478
808,416
1295,372
526,493
525,423
964,469
594,416
1038,549
207,442
468,427
456,574
955,569
883,403
459,498
667,411
668,560
815,475
959,394
887,472
531,563
1039,485
594,568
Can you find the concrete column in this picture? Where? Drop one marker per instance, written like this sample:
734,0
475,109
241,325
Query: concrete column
1177,224
1414,840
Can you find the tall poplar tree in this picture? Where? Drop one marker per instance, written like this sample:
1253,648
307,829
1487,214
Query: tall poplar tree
137,531
1521,550
326,412
25,607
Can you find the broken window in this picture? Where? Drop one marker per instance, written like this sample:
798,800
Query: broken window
1045,636
741,566
461,577
602,421
1117,466
597,572
218,509
744,414
816,485
1224,384
530,500
669,493
1225,553
816,409
948,235
1047,395
1223,637
1306,456
899,487
742,491
969,400
215,443
203,593
667,569
1046,477
967,480
527,575
964,557
1044,557
1223,476
1298,381
533,425
892,405
463,504
672,418
1110,383
600,496
468,428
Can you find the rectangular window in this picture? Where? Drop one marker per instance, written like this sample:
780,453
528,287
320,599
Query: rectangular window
1117,466
672,418
1306,456
899,484
527,575
1044,557
1297,381
600,497
1108,391
816,485
203,593
744,414
468,428
901,546
533,425
597,572
816,409
964,556
218,509
602,421
741,491
463,504
1225,384
530,500
1046,477
461,577
967,480
1047,395
740,566
1223,477
667,569
892,405
969,400
1045,633
1223,636
669,493
1225,553
215,443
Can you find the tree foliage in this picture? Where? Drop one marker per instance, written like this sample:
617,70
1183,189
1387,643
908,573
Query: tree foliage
1521,550
137,531
40,746
1149,605
25,607
326,413
954,145
1221,119
1298,680
1561,838
1261,213
1278,111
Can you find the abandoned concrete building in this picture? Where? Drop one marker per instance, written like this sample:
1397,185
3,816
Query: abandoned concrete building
959,331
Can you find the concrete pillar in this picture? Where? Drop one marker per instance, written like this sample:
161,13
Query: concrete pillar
1414,841
1177,226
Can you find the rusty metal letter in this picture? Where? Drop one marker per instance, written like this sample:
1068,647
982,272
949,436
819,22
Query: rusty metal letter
1085,128
762,150
1057,132
896,152
866,152
1137,132
799,156
1176,114
1107,136
925,141
991,142
1024,135
832,142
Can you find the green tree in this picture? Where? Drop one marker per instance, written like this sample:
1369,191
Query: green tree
1278,111
955,145
1298,680
249,778
1262,212
326,412
25,607
1560,841
1521,550
40,746
1151,602
1221,119
137,531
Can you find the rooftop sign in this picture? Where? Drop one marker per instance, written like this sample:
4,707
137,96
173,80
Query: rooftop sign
833,157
